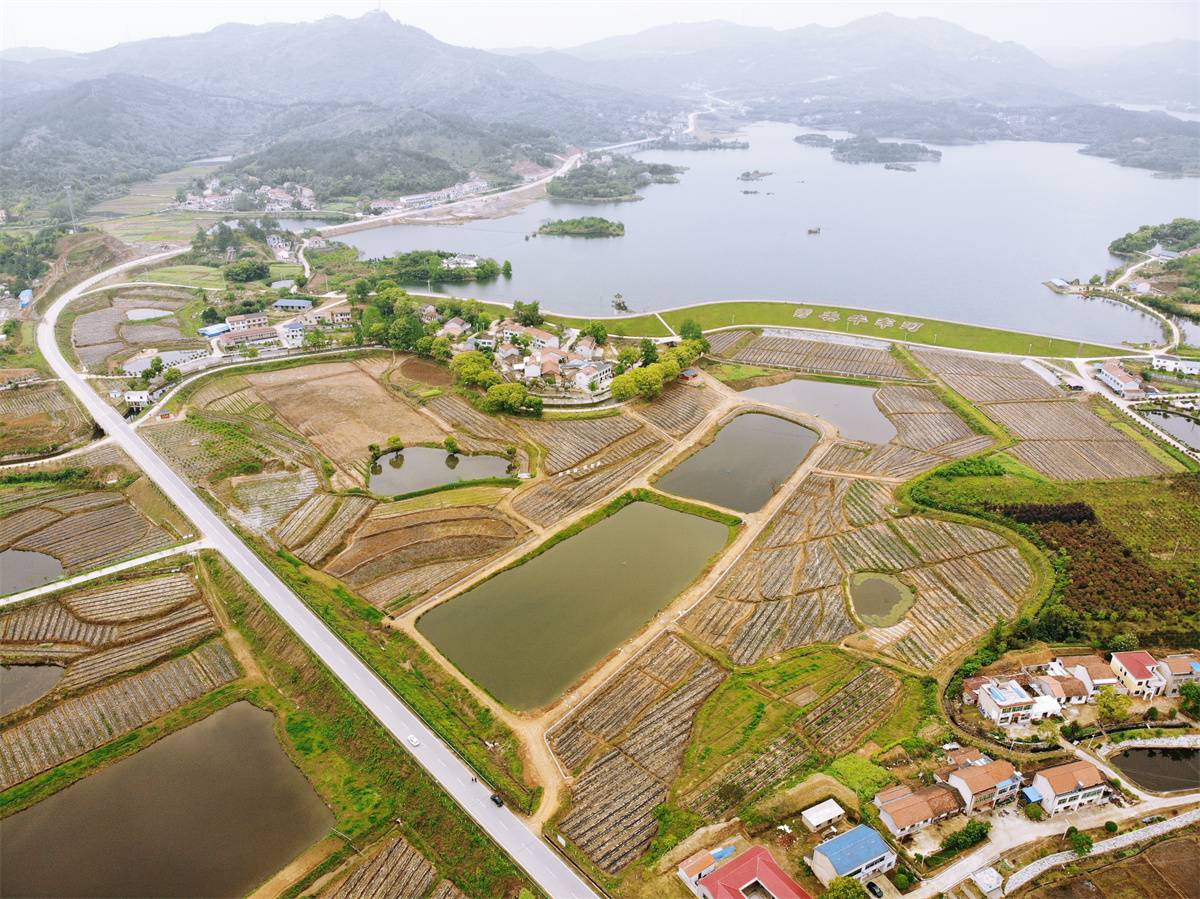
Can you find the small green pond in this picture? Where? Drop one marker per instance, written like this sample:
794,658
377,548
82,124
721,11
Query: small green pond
880,600
422,467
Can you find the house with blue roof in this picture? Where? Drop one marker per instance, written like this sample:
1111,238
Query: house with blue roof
859,852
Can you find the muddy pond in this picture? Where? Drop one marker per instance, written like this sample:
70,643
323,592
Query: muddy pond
211,810
850,407
1165,770
880,600
532,631
744,465
422,467
22,569
22,684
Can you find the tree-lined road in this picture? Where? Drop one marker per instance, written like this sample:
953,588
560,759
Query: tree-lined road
540,862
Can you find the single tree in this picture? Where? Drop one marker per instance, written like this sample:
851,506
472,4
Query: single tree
845,888
1112,706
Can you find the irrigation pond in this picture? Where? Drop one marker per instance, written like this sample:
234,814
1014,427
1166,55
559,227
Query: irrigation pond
533,630
422,467
22,684
850,407
1164,770
880,600
748,460
211,810
24,569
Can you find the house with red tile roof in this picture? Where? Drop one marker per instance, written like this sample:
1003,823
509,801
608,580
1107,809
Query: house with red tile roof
752,875
1138,673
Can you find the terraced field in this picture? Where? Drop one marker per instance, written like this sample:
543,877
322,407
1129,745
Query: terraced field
395,872
1060,437
634,732
38,419
786,591
81,528
721,342
679,409
569,443
394,555
102,332
263,501
822,356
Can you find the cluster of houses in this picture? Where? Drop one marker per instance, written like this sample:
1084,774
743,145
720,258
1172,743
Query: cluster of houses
532,355
971,782
1176,365
270,199
1029,696
255,328
382,205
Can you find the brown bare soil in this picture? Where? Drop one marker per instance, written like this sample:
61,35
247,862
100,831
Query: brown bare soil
425,372
341,408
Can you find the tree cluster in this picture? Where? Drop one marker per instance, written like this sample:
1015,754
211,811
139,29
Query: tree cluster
648,379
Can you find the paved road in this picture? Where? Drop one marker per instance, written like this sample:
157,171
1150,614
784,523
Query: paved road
551,873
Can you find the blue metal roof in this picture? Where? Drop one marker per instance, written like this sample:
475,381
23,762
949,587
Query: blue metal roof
1032,794
854,848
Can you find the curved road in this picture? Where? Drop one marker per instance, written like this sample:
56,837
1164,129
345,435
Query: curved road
538,860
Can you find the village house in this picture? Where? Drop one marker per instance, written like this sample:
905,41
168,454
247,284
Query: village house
1121,382
460,260
859,853
1065,788
136,364
985,786
137,399
694,867
507,356
586,346
428,314
1176,364
481,341
1092,670
905,812
290,304
822,815
454,328
1005,703
337,318
247,321
292,335
1178,670
247,337
1138,674
752,875
1063,689
537,338
597,375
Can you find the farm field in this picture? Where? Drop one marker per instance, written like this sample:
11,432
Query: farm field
822,357
152,195
1165,870
105,327
82,524
38,419
186,275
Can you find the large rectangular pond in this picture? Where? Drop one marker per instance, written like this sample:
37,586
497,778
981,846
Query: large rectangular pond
211,810
532,631
849,407
741,469
1165,770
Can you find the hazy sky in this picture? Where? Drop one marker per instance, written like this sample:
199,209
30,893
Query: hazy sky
92,24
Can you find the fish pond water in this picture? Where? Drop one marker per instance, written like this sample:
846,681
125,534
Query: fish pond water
422,467
880,600
1163,770
530,632
211,810
22,684
953,240
24,569
850,407
1183,428
745,464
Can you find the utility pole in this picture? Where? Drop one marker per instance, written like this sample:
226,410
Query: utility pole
71,208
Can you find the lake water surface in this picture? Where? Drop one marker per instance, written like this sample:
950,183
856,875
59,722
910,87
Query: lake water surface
421,467
1161,770
972,237
530,632
22,684
209,811
750,458
851,407
23,569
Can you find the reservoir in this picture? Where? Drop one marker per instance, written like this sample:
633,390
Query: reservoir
1162,770
879,599
23,569
957,239
530,632
1183,428
850,407
421,467
208,811
22,684
743,467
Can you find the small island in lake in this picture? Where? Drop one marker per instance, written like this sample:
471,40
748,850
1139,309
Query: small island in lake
587,226
610,178
756,175
893,154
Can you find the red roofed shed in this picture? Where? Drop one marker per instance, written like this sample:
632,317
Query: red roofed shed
753,868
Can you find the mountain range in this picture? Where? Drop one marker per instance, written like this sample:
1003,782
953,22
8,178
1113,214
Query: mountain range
99,119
